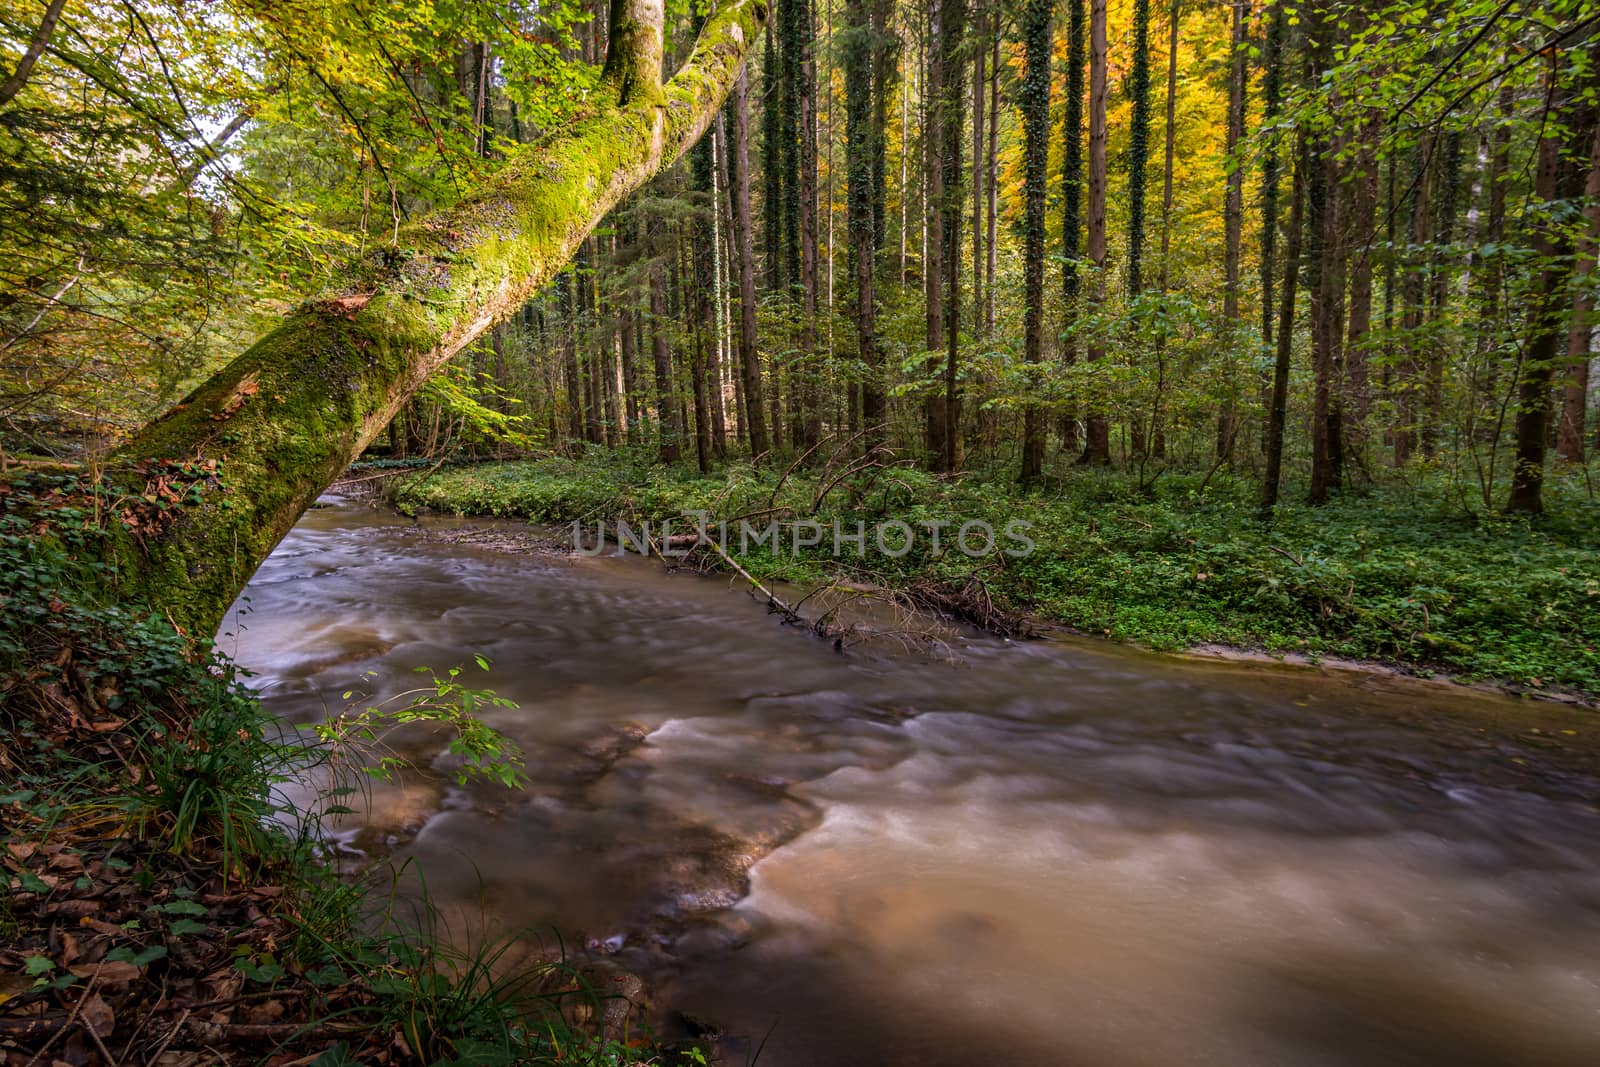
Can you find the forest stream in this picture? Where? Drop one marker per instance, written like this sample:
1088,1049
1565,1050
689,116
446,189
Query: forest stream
989,852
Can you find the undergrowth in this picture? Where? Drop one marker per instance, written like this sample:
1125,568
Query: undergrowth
1401,573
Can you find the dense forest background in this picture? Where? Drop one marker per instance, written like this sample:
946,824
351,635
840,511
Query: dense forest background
1312,244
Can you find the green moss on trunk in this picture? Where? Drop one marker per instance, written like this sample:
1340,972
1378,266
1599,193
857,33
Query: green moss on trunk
286,417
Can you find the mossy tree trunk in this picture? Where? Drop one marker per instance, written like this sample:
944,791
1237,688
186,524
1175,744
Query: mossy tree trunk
286,417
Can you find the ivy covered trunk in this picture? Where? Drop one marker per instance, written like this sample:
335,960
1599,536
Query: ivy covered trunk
264,436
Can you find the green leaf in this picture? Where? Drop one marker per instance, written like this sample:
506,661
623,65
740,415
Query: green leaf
181,907
29,882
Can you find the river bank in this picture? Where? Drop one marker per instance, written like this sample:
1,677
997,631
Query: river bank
1408,581
173,894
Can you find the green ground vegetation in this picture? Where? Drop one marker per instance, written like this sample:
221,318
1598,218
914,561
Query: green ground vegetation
1405,573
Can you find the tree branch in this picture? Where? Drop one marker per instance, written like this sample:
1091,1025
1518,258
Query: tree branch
41,37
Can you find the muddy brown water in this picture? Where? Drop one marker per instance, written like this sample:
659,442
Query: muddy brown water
1016,853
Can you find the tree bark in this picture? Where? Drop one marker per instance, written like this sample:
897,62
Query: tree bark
1448,176
1232,219
1097,436
1138,144
1277,415
860,154
933,245
1271,104
36,46
1570,440
980,55
1413,308
286,417
992,185
1035,93
630,389
1558,177
952,30
669,428
811,392
1158,440
568,304
755,418
1364,232
1072,202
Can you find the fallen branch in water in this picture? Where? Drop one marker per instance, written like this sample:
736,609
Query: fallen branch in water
773,600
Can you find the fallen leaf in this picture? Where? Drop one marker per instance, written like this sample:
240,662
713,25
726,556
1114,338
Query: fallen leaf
66,862
116,972
73,907
270,1012
96,1013
100,927
14,985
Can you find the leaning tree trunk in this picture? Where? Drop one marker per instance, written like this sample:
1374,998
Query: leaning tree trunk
282,420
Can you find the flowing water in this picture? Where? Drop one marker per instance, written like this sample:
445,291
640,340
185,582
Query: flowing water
1004,853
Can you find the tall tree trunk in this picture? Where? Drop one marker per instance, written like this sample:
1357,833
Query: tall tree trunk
1413,309
716,143
933,246
992,185
1138,144
287,416
860,153
1232,219
1158,440
669,428
755,419
1488,275
772,173
885,53
1559,176
691,268
811,406
1097,438
790,27
1447,175
1278,412
1570,440
1035,94
569,350
703,259
980,55
1325,277
588,337
1363,232
952,28
1072,200
630,387
1271,105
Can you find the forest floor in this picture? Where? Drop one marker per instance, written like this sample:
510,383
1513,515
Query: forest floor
160,903
1409,574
